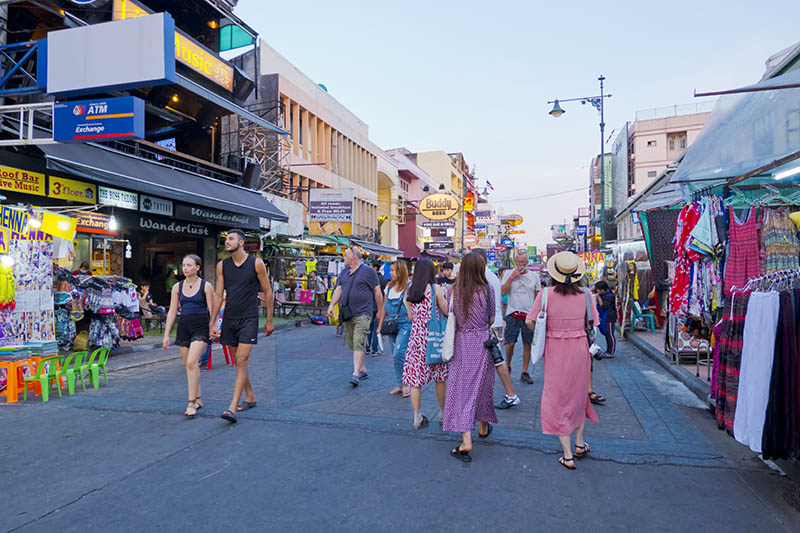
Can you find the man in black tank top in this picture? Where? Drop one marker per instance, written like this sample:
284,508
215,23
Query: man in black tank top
242,276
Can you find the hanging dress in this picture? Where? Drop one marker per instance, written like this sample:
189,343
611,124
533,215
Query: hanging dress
742,263
781,248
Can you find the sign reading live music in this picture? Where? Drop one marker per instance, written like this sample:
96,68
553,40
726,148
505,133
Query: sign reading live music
105,118
22,181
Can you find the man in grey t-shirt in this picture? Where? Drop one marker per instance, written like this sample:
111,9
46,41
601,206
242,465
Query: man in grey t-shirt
356,289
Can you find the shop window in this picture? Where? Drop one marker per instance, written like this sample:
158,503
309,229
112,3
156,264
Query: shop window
651,144
651,173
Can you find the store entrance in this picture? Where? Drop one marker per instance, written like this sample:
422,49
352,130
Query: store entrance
155,255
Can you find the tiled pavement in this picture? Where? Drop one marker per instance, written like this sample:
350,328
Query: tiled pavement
300,376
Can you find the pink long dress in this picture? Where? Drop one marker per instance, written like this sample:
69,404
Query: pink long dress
567,363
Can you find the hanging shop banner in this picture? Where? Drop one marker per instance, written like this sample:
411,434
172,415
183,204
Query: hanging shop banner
469,204
440,245
330,212
22,181
117,198
438,206
187,51
439,224
94,223
155,206
510,220
171,226
592,257
74,190
107,118
213,216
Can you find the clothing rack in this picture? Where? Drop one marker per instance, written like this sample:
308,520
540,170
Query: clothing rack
770,281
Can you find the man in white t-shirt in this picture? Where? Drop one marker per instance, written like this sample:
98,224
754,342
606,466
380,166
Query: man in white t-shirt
510,398
521,287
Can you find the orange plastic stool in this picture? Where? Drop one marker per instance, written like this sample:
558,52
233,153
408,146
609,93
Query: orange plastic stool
14,379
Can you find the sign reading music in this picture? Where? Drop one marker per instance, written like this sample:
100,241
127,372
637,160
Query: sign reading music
23,181
187,51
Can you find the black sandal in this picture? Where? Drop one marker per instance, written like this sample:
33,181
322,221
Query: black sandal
229,416
488,432
461,455
586,449
596,398
563,462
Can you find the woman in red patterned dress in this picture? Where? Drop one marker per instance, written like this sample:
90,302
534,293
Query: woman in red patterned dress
416,374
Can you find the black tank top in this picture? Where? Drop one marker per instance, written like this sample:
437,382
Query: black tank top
242,287
193,305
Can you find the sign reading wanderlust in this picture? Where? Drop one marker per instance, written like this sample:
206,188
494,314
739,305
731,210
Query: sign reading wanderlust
438,206
214,216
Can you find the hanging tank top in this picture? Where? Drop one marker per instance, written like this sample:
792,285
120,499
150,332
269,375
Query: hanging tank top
242,287
196,304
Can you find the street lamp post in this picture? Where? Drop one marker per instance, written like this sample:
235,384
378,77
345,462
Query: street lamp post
597,103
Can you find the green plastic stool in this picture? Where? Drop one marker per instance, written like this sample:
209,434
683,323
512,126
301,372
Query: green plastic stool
44,378
69,370
87,367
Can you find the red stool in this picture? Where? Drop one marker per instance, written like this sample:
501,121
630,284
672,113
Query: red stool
226,350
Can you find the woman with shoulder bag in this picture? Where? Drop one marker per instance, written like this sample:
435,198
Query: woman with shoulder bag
470,379
416,373
565,404
395,325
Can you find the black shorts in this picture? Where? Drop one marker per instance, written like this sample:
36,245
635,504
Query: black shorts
192,328
237,331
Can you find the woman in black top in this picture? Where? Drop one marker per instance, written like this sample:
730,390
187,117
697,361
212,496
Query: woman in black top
193,296
607,306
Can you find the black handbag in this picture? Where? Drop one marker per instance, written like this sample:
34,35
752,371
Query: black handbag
390,326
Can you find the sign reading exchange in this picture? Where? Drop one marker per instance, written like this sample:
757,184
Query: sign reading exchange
438,206
107,118
213,216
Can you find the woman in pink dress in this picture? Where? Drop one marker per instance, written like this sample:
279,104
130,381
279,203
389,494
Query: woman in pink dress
567,361
419,305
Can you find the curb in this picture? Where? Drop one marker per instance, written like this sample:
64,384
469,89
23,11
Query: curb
699,387
124,350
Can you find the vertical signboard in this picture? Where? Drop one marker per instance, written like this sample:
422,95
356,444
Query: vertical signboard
330,212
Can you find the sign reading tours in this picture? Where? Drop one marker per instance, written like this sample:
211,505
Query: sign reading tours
440,245
213,216
74,190
108,118
155,206
438,206
117,198
16,180
330,212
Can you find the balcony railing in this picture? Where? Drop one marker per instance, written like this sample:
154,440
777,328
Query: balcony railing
676,110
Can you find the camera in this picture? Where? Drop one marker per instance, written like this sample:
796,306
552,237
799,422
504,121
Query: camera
491,344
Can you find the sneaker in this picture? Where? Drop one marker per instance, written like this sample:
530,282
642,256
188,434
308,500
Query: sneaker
507,402
526,378
354,381
203,366
363,375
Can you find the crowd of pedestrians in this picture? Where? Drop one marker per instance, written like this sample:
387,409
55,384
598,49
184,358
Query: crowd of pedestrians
396,316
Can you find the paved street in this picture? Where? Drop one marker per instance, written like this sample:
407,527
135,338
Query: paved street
316,454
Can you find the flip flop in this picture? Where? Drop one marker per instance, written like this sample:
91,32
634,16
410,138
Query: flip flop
423,423
488,432
245,406
596,398
460,454
229,416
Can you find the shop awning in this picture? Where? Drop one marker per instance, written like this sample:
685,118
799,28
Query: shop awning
121,170
224,103
377,248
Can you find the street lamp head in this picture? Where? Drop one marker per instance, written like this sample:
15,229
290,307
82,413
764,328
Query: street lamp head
441,186
556,111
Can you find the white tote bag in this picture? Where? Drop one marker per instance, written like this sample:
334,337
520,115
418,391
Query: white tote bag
449,332
540,331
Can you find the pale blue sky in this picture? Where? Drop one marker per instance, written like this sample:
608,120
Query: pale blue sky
474,77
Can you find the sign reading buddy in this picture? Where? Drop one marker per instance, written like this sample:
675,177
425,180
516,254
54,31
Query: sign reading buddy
439,206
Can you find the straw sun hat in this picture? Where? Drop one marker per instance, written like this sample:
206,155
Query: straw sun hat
565,265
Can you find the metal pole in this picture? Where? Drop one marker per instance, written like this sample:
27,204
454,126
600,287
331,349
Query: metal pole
602,168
